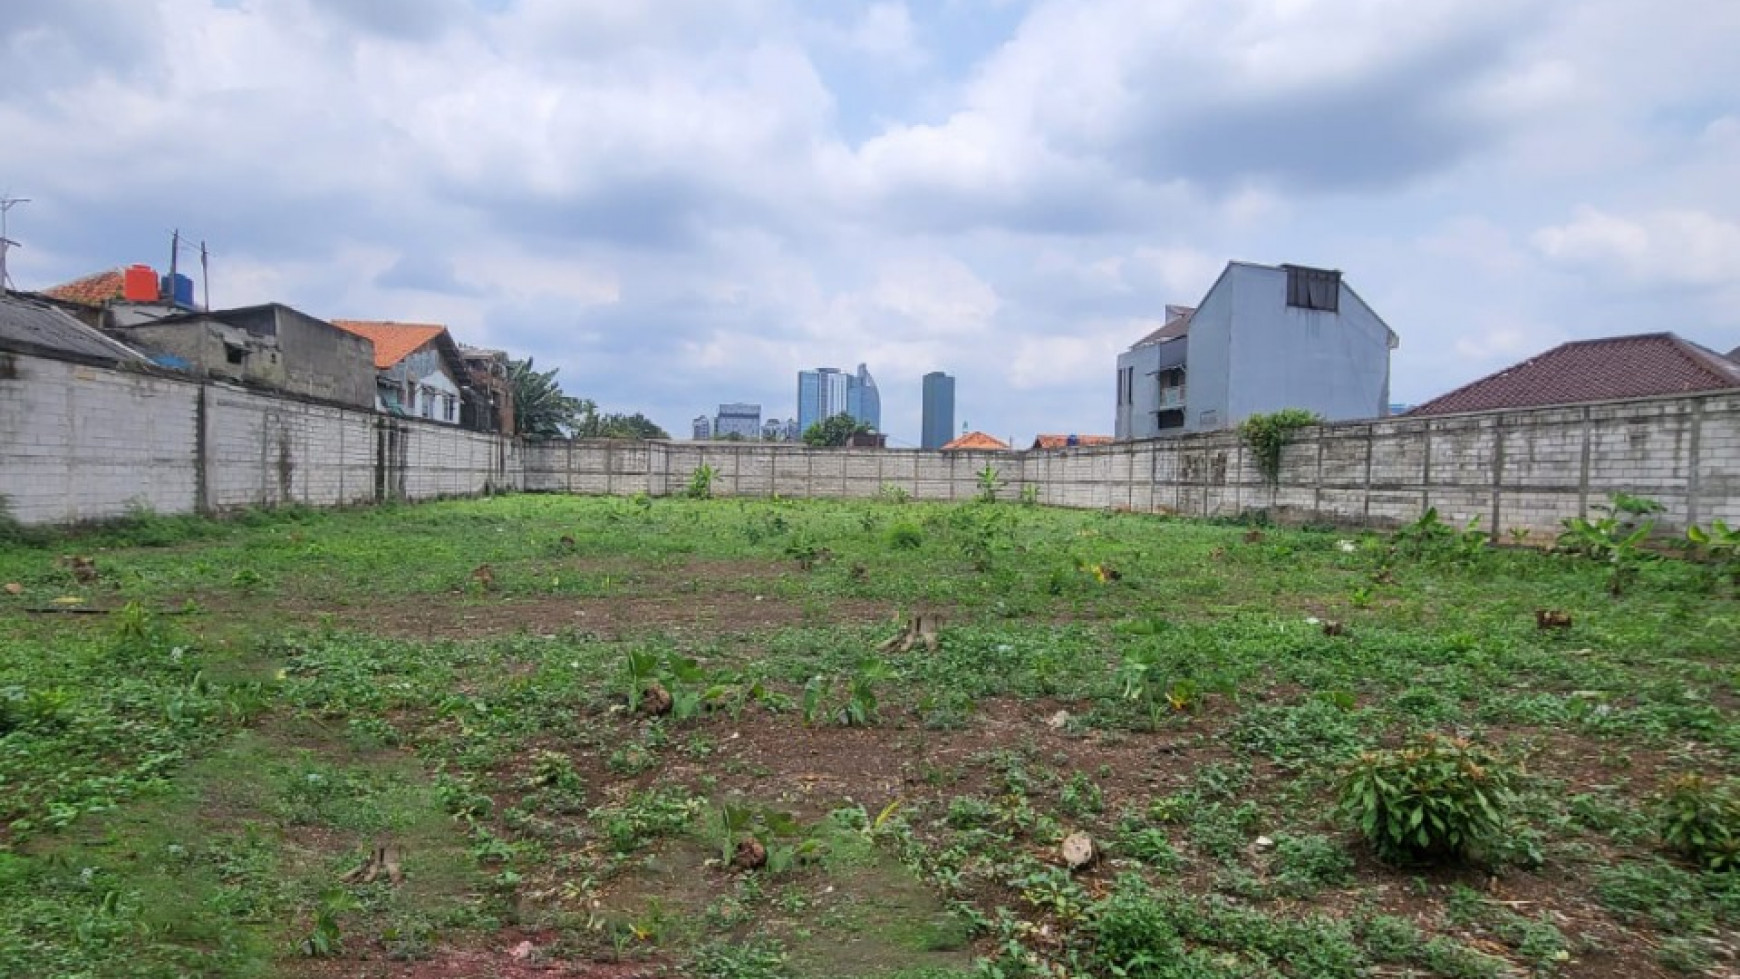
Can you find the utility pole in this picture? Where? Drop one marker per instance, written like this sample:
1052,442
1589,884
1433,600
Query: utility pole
7,204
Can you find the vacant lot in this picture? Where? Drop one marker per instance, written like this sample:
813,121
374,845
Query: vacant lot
604,737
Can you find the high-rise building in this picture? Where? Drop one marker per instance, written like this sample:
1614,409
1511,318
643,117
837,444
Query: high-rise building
703,428
738,418
821,394
793,433
773,430
829,391
863,401
939,410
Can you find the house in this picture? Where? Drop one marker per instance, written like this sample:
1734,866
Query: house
1069,441
31,325
419,371
1610,369
491,407
269,345
976,442
1264,338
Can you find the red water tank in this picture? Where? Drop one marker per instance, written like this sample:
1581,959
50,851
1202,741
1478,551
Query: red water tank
139,284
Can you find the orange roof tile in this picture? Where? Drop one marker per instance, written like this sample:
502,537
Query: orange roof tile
975,440
1062,441
393,341
92,290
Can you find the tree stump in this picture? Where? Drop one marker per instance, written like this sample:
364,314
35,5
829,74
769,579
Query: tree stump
920,628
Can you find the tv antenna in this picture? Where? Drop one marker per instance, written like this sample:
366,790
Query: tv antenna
6,205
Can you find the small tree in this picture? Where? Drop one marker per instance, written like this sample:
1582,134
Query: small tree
619,426
834,431
541,410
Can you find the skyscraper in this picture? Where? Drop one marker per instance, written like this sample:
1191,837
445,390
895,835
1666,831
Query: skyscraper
939,410
703,428
864,401
821,394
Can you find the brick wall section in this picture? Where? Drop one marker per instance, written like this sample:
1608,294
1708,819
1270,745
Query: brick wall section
83,443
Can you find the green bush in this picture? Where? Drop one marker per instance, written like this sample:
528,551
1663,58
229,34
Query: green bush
1437,799
1267,434
1699,819
905,537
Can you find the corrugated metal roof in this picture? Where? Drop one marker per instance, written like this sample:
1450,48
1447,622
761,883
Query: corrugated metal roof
37,325
1610,369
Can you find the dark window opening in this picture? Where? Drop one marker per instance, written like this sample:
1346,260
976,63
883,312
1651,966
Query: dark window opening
1169,419
235,355
1313,288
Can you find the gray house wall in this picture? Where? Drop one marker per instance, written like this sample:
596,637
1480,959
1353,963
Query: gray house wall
1334,363
287,350
1250,352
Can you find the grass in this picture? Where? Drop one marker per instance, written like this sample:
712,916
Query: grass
191,768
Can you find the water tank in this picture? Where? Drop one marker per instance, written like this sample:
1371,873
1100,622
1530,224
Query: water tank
178,289
1072,440
139,284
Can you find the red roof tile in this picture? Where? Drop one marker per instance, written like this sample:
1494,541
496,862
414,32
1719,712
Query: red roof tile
95,289
1062,441
393,341
1610,369
975,440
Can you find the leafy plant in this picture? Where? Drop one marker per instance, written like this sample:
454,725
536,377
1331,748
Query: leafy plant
1436,799
1719,544
905,537
1699,818
1267,434
701,482
1614,539
989,483
1432,537
893,493
324,938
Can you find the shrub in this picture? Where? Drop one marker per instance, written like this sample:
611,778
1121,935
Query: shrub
1699,819
1267,434
905,537
701,482
1436,799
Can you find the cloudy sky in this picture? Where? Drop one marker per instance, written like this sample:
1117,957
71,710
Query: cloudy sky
682,202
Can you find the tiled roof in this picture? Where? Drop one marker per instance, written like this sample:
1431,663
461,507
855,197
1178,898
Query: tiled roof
36,325
1062,441
92,290
393,341
1175,327
1641,366
975,440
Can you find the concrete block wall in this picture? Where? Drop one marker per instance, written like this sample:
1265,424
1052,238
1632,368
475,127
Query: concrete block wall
1518,469
81,443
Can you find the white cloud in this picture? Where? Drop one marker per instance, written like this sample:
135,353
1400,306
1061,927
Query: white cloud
1671,247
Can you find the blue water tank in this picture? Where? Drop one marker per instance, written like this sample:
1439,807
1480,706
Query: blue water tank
178,289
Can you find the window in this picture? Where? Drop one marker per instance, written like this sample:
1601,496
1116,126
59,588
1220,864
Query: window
1169,419
1313,288
447,407
428,400
1126,385
235,355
